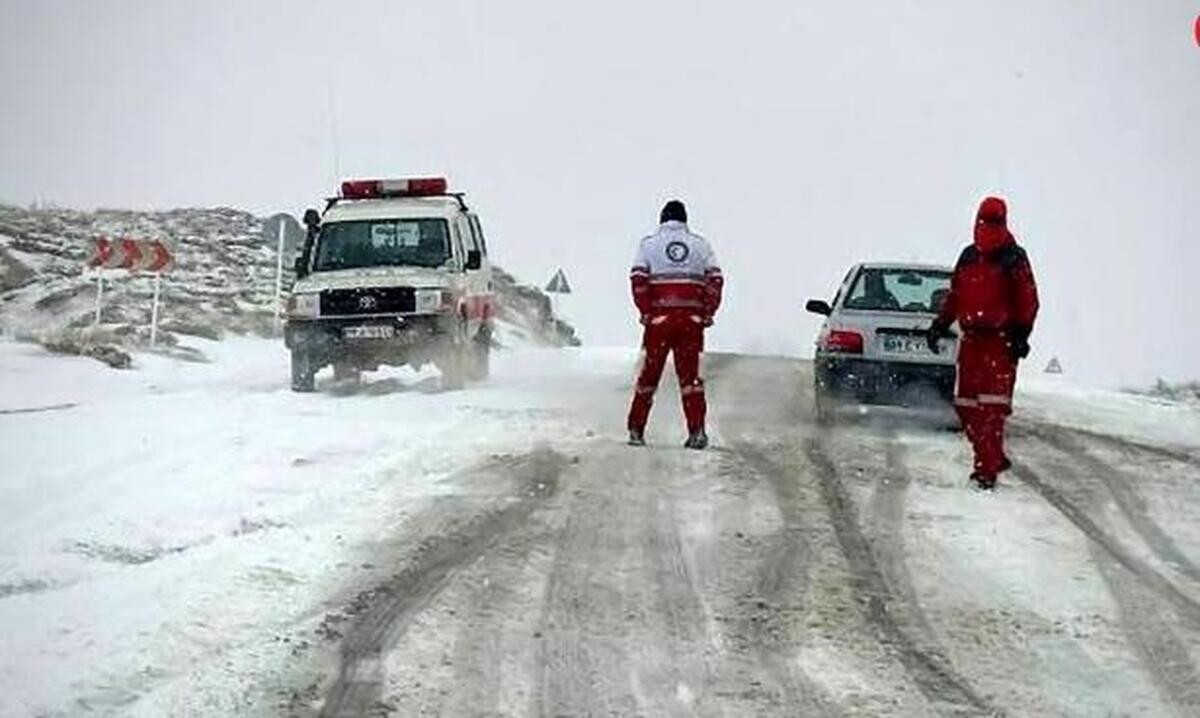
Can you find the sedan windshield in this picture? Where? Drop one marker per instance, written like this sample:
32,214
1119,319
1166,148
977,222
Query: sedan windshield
382,243
898,290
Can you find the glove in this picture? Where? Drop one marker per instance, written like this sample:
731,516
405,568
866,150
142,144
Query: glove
934,335
1018,343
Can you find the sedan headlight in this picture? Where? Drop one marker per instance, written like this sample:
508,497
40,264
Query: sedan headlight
304,306
428,300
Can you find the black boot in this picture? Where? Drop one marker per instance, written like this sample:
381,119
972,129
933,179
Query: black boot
983,482
636,438
698,440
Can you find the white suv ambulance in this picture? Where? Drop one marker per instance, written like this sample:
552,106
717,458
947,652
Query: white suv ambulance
395,273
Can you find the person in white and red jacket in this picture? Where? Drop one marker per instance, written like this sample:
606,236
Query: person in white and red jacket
677,286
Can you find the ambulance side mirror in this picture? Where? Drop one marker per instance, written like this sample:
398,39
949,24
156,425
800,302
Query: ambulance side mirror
818,306
474,259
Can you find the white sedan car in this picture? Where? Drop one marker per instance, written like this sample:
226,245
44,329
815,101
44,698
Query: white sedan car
872,348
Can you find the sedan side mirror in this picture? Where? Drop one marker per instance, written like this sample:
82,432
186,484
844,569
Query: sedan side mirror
474,259
819,306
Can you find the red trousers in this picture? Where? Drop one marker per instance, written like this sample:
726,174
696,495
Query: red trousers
681,334
987,374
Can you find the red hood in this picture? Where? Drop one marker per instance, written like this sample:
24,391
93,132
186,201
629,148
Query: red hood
991,225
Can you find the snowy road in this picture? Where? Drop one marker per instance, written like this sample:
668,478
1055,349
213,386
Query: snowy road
197,540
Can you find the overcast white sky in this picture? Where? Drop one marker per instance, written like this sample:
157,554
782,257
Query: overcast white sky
804,136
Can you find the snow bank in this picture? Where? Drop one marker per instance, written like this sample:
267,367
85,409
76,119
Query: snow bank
1055,399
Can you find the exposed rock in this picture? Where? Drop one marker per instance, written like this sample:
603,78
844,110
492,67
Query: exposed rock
293,233
76,344
13,274
530,309
113,356
193,329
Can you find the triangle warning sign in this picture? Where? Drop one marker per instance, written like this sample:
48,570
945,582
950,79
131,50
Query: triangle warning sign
558,284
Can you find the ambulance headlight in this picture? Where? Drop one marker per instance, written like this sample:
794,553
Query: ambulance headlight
304,306
429,300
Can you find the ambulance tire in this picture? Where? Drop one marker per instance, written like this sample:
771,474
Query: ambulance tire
346,373
454,362
304,372
481,355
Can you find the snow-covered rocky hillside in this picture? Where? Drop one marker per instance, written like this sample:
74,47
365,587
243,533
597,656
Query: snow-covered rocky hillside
224,281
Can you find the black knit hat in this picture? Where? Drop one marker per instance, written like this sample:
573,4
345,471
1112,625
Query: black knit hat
673,211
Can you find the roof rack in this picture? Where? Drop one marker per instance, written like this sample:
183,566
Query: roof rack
457,196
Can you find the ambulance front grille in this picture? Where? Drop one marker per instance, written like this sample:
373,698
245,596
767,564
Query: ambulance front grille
367,300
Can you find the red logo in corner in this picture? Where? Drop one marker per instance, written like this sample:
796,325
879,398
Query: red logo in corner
1197,29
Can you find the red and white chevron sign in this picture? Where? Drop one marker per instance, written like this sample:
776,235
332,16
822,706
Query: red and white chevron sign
144,255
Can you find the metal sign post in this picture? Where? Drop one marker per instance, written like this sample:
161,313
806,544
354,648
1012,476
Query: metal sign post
99,297
279,274
154,309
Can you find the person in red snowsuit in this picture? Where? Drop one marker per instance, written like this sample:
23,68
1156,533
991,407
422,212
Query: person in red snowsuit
677,286
994,299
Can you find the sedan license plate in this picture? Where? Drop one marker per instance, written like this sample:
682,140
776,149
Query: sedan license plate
369,331
903,344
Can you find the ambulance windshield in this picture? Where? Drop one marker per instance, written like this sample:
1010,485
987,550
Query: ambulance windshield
382,243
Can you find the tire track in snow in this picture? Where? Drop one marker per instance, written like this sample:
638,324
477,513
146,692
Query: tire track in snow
38,409
1185,606
1165,657
782,578
387,609
482,644
678,602
886,514
623,629
928,669
883,586
1163,654
1121,486
1171,453
577,653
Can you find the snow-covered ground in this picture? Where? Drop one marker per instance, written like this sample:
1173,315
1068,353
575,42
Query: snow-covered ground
166,523
195,539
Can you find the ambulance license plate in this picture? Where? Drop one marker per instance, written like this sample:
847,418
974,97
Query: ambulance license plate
369,331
